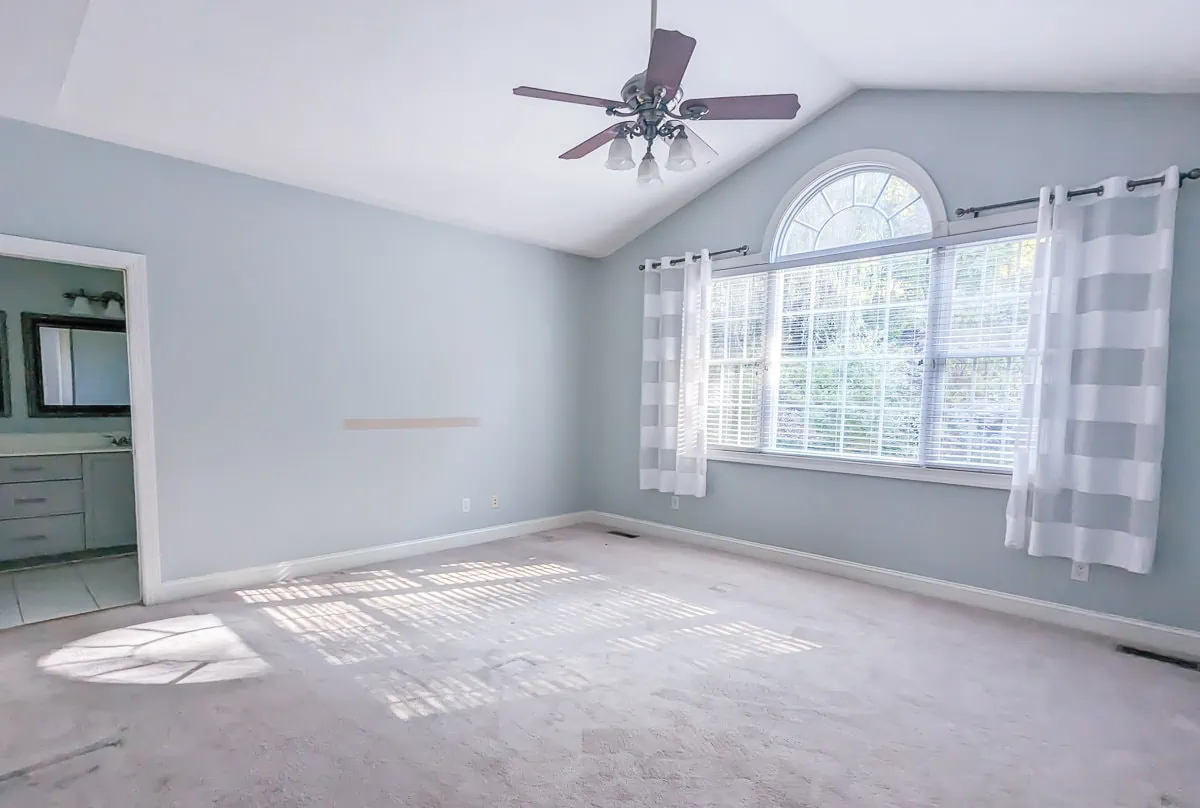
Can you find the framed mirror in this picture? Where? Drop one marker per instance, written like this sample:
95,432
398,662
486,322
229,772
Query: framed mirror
5,383
75,366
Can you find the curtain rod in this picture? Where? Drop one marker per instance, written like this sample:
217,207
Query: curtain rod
1194,174
742,250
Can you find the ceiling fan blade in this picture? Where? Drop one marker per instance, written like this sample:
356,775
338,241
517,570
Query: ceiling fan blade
591,144
701,151
670,52
744,107
570,98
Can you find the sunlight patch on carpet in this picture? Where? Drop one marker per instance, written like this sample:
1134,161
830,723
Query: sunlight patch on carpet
180,650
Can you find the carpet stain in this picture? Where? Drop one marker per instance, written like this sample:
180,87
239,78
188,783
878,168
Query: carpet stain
514,664
71,778
663,744
682,697
737,690
54,760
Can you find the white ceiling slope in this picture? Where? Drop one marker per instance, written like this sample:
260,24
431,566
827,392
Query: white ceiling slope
407,104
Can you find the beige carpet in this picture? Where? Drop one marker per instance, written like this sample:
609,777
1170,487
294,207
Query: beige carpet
580,669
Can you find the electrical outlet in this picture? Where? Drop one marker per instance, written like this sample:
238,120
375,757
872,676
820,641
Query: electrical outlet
1079,571
674,502
466,505
495,500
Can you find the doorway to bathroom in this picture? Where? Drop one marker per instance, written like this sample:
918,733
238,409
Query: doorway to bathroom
73,515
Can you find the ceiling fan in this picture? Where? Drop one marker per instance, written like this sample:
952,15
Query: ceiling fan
653,101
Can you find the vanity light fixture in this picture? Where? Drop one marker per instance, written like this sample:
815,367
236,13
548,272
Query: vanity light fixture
115,307
81,303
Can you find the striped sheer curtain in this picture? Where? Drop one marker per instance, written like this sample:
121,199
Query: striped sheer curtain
1086,482
673,453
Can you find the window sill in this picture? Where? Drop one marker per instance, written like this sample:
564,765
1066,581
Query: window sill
972,479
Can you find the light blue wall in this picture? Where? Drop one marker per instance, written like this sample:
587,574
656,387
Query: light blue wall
33,286
276,313
979,148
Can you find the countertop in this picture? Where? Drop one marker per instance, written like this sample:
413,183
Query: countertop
30,444
45,452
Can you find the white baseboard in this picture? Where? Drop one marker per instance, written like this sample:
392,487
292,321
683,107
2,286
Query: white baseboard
1139,633
1125,630
350,559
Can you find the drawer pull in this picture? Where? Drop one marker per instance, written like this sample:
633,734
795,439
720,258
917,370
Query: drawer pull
27,469
29,500
42,537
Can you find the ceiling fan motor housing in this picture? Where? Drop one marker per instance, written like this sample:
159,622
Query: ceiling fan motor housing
635,89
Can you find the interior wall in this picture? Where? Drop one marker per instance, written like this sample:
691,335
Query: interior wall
979,148
276,313
37,287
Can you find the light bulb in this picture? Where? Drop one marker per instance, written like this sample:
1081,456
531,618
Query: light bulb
81,305
680,157
114,309
648,171
620,154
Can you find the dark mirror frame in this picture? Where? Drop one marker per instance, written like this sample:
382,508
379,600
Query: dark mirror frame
5,379
38,408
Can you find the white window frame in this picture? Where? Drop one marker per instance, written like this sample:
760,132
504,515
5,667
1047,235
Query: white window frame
1009,224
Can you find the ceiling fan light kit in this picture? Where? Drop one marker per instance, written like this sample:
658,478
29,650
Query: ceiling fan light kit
652,101
620,154
680,158
648,173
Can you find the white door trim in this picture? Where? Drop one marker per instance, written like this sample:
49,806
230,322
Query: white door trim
141,390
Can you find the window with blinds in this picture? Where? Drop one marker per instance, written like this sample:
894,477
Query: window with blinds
913,357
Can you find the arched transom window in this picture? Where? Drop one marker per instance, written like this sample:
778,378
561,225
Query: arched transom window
867,336
857,205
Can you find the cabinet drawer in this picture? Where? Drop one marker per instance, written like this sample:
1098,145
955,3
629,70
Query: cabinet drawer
45,467
46,535
22,500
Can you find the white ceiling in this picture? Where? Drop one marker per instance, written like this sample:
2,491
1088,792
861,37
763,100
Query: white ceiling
407,103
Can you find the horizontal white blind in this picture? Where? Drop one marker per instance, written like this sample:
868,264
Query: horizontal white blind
736,354
847,377
982,321
831,359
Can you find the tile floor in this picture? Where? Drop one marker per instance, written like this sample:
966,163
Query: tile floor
47,593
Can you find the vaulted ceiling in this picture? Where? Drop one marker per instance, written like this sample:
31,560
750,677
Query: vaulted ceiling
407,104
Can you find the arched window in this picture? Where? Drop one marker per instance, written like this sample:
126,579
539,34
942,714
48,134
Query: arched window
866,197
867,336
853,206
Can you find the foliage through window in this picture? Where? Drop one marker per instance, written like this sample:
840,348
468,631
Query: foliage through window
909,357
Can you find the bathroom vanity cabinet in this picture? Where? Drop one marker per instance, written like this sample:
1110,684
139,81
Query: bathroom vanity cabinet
66,503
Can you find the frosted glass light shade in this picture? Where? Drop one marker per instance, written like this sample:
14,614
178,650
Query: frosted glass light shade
648,173
680,157
620,155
